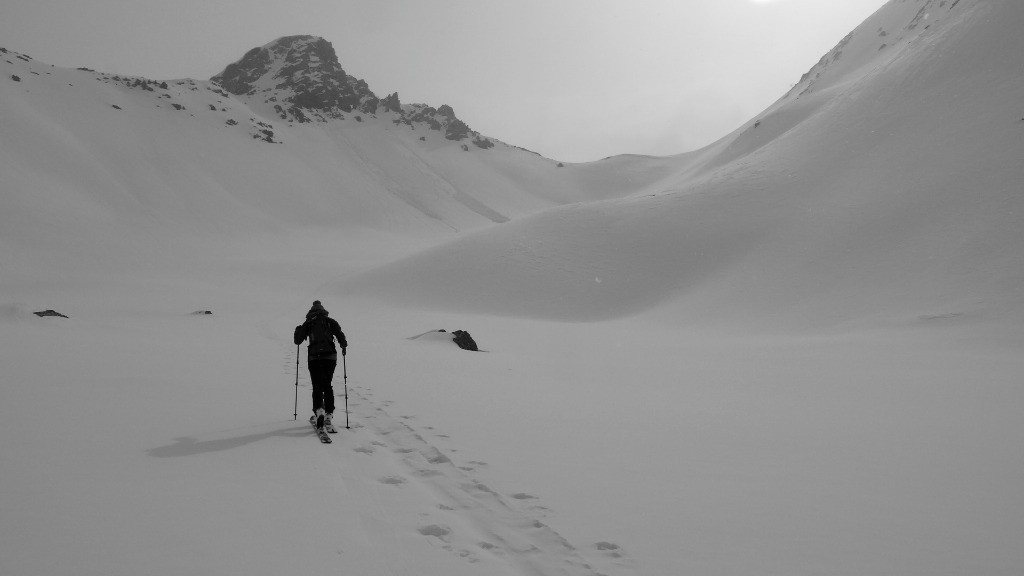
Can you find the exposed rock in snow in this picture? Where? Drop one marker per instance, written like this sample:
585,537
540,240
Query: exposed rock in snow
304,80
460,337
464,340
49,312
303,72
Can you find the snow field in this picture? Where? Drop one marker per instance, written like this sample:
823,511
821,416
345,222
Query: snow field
725,453
157,433
796,351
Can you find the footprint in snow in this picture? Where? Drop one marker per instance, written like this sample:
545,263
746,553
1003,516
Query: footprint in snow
392,480
442,533
537,508
614,554
434,456
435,530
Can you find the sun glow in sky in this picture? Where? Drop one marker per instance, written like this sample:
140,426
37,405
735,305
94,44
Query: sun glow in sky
574,80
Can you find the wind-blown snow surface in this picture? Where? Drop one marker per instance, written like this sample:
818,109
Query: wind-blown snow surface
794,352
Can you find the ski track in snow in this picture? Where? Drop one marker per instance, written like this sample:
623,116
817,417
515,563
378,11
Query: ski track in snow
467,518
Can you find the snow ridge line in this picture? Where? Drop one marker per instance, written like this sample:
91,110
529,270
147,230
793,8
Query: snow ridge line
472,518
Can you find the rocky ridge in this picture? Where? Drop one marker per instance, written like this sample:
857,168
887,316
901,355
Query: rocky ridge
301,78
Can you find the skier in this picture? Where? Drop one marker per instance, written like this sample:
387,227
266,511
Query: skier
322,359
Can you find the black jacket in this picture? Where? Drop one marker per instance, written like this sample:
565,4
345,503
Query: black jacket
323,350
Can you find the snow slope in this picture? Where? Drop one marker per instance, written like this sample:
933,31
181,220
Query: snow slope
796,351
182,168
885,186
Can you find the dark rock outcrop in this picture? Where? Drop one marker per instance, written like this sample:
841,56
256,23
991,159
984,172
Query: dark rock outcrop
391,103
464,340
304,81
303,72
457,130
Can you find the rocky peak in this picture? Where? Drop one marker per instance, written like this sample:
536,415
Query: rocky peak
301,77
301,74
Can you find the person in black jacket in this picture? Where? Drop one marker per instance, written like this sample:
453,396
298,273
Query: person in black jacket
322,359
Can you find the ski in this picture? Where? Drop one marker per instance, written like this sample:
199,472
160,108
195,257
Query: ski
329,426
324,437
321,433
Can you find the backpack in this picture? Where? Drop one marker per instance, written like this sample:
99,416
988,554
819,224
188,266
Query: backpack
321,337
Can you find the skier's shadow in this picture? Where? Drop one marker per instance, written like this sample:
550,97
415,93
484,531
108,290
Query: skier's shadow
188,446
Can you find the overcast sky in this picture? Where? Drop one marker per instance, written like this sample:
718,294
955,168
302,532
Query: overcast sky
574,80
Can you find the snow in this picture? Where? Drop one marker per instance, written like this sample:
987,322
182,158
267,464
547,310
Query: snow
794,352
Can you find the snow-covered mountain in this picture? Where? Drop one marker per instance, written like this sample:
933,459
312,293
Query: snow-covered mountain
885,184
282,139
795,351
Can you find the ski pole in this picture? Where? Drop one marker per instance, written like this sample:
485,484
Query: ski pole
296,415
344,372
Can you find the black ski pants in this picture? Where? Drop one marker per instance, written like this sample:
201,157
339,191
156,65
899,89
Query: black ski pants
321,372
